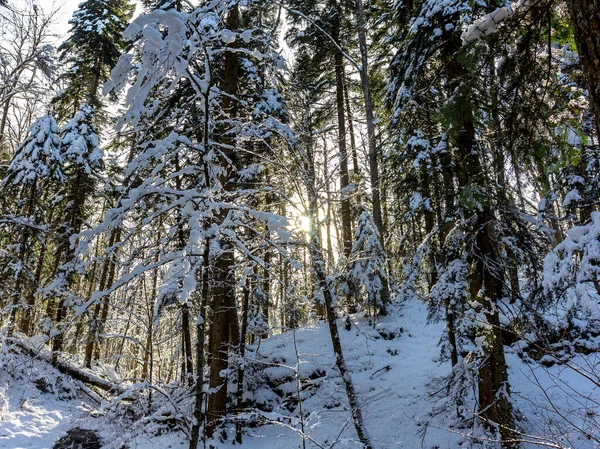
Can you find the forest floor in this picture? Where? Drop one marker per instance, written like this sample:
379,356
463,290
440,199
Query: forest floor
395,367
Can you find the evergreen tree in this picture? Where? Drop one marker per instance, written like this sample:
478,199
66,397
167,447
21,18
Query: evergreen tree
432,36
163,272
367,267
91,51
83,164
34,172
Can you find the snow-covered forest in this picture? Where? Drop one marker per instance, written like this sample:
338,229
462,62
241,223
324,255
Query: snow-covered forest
303,224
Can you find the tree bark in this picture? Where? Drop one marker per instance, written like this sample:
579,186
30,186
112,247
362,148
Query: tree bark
345,212
355,168
485,284
219,338
186,341
242,353
224,292
201,334
585,19
373,153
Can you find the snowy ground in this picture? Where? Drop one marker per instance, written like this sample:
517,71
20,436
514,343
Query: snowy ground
28,417
393,377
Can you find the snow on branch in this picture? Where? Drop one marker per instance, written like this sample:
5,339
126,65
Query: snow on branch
489,23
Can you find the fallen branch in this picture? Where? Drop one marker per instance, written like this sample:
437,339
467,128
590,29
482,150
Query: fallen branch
66,368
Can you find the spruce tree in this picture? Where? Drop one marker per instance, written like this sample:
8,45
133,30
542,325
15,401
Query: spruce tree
91,51
367,266
432,39
33,174
83,165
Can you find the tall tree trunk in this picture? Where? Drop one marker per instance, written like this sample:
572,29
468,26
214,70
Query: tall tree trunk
373,156
202,322
219,338
266,304
4,153
585,19
224,291
345,212
485,284
242,353
329,212
186,342
355,168
147,368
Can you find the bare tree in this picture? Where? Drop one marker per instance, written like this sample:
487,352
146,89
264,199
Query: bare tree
26,66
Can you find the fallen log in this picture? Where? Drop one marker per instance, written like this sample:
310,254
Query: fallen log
66,368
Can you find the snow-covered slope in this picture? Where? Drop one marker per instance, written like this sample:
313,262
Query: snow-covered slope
37,404
395,367
391,367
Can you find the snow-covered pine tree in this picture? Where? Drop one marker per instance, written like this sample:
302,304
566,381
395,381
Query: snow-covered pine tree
367,267
200,100
82,168
33,174
571,276
431,39
165,4
90,52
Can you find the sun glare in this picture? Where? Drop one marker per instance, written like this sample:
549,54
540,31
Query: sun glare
304,223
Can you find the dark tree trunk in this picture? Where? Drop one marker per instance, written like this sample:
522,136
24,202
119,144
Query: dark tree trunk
266,303
224,291
373,153
219,337
355,168
585,19
201,335
485,283
186,341
345,212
